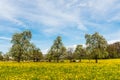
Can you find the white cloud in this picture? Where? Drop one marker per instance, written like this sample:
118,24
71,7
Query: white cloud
9,12
103,9
72,46
55,13
58,15
113,41
45,51
50,14
5,38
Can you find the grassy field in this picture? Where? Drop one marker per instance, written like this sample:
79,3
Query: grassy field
104,70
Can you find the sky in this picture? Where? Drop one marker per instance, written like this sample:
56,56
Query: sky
70,19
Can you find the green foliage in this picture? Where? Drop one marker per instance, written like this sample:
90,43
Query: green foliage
57,50
6,57
20,45
49,56
96,45
79,52
114,50
35,53
1,56
70,55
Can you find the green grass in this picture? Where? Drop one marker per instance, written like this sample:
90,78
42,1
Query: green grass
104,70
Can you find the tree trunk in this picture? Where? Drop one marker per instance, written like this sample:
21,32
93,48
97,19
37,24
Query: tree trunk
49,60
33,59
80,59
19,56
18,60
37,60
57,59
96,59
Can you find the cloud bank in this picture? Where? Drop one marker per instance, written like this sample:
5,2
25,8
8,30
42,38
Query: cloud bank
71,19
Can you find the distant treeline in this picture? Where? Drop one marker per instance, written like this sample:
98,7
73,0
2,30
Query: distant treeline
96,48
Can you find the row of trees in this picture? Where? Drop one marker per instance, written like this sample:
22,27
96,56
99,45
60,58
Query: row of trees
96,48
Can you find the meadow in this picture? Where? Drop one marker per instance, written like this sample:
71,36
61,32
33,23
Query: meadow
103,70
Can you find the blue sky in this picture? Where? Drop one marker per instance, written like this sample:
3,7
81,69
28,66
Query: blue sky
47,19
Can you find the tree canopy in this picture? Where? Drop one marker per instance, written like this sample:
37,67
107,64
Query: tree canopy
20,42
79,52
57,49
97,45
